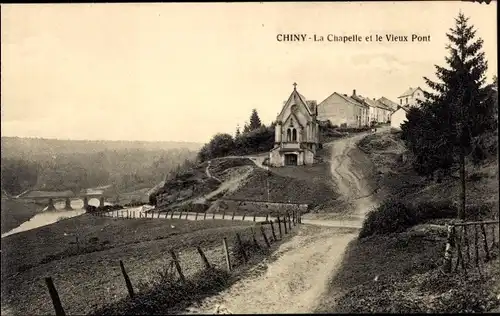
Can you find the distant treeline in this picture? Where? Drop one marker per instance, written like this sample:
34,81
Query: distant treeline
14,147
127,169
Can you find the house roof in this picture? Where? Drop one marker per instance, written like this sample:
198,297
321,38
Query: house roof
371,102
390,104
404,108
409,92
349,99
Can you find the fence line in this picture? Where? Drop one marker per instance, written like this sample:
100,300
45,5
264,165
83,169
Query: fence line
465,251
176,261
292,217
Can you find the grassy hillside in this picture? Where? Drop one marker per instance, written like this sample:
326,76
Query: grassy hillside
310,185
241,179
400,272
87,274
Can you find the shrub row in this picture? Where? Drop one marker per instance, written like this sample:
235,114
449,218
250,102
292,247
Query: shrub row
394,216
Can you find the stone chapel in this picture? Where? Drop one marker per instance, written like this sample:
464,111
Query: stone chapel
296,137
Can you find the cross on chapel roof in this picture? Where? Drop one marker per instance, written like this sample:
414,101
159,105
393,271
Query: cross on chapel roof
294,86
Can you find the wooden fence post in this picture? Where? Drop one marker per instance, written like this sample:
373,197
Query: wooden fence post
240,243
267,217
130,289
196,216
265,237
180,215
187,213
158,214
467,247
226,252
458,243
55,297
254,215
232,218
177,265
284,224
447,253
223,214
172,215
279,227
485,241
254,239
244,214
272,230
493,236
203,258
205,215
213,215
476,238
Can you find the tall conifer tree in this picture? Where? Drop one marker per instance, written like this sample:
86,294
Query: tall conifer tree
457,112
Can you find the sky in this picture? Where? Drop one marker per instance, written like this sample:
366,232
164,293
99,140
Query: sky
184,72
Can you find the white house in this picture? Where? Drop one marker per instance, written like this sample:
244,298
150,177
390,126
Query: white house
296,136
343,110
411,96
398,117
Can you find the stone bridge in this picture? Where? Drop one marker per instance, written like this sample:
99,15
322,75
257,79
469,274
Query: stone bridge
67,196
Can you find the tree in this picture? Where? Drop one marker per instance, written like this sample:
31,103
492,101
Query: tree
238,134
18,175
255,122
453,117
219,146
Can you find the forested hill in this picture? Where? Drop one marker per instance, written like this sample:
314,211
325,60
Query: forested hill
16,147
72,165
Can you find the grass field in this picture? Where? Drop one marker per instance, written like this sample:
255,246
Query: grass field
87,273
14,213
305,184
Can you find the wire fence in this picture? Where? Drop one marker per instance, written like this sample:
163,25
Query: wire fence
235,251
470,244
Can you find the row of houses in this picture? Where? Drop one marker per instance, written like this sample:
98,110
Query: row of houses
297,124
355,110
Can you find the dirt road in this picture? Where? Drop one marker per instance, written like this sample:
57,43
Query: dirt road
294,282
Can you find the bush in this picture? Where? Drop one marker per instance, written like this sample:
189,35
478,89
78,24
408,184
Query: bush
389,217
425,211
394,216
254,141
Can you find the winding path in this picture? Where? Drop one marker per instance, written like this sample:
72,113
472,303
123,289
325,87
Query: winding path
294,282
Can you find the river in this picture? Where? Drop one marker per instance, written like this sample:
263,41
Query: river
49,217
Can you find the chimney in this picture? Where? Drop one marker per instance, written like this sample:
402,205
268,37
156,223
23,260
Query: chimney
354,92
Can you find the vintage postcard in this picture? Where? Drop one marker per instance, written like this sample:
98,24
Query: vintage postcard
249,158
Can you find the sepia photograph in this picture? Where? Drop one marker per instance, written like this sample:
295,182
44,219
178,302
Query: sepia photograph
249,158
